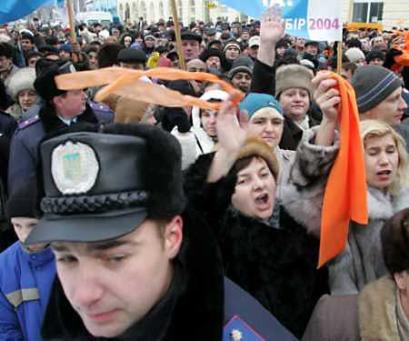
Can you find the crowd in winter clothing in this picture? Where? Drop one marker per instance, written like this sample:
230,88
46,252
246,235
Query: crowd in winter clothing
249,186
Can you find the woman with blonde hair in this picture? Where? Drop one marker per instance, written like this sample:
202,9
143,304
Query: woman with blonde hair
387,172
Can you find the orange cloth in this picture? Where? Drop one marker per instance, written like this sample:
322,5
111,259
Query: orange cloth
403,59
345,195
125,82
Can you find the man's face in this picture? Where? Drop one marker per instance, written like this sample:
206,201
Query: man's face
245,35
5,63
26,44
23,227
232,52
191,49
150,43
208,120
133,66
114,284
253,51
376,61
71,104
312,49
196,65
27,98
64,55
390,110
214,62
242,81
32,61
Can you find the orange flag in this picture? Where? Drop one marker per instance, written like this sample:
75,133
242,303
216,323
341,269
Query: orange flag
403,59
345,195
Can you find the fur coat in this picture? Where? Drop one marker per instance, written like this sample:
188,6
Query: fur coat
375,314
362,261
275,264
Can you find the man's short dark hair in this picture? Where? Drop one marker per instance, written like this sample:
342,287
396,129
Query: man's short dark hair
6,50
395,242
108,55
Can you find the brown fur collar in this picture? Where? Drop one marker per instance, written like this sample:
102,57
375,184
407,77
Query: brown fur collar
377,311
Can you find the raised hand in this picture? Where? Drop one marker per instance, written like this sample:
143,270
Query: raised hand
272,25
231,131
326,96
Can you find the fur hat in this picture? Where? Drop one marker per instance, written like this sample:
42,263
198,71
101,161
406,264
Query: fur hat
45,82
100,184
23,79
24,202
255,146
293,76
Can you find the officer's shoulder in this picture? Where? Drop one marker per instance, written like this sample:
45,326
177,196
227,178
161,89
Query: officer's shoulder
32,121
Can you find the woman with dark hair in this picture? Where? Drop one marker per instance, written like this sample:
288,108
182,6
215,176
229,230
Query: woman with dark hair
126,39
264,249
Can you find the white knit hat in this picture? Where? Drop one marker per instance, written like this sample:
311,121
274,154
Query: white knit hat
354,54
23,79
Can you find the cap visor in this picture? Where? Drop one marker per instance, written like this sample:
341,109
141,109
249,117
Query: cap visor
86,227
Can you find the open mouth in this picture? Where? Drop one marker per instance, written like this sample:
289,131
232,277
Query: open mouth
386,172
262,199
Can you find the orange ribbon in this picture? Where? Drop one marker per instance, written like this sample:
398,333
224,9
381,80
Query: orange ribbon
345,195
126,82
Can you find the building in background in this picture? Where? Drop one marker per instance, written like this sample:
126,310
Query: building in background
390,13
188,10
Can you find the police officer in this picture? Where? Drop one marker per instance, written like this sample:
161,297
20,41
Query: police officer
133,262
59,110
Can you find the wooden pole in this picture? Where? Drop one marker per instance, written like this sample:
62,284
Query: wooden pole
339,57
71,20
179,50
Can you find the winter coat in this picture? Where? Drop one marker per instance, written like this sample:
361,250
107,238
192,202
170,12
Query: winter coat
25,142
375,314
362,261
196,142
275,264
25,285
292,133
198,305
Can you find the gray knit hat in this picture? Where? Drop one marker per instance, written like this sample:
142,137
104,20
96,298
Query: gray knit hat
293,76
372,84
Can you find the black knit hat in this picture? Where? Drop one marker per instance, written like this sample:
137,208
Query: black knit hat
24,202
372,84
103,185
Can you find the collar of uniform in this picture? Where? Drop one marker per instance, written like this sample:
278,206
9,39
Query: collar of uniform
38,258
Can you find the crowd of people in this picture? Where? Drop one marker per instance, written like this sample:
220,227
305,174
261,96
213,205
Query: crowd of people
135,221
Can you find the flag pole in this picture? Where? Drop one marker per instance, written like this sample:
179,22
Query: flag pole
71,20
339,57
178,36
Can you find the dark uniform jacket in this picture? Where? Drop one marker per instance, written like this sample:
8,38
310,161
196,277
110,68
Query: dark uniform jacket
25,142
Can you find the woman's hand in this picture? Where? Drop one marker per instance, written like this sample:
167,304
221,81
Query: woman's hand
231,133
328,99
326,96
